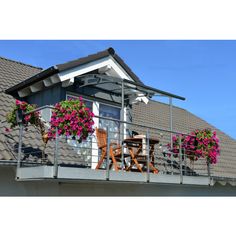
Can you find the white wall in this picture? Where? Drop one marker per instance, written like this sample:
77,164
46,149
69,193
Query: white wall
10,187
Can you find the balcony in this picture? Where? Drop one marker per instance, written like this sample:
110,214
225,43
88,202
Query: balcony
119,151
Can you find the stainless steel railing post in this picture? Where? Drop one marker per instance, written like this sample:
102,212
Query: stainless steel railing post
180,160
56,155
209,173
108,154
148,155
21,128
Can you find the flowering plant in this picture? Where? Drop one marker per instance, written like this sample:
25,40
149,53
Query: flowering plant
72,118
32,118
199,144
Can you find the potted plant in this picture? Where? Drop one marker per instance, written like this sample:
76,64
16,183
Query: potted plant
23,113
71,118
199,144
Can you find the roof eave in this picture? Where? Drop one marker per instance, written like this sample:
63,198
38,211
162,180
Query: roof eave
66,66
34,79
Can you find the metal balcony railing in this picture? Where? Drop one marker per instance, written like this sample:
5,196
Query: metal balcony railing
116,147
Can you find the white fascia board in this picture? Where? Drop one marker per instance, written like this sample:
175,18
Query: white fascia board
119,70
101,63
80,70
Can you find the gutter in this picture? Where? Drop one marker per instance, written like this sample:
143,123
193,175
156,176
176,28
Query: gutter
34,79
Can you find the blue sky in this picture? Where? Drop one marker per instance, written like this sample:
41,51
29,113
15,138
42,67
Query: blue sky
202,71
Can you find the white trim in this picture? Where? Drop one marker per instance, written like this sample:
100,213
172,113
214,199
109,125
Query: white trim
118,68
106,65
107,62
82,69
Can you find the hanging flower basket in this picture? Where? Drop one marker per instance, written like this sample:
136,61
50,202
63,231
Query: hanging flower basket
71,118
23,113
17,115
199,144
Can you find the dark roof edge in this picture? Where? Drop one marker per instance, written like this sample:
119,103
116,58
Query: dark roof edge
126,68
85,60
110,51
71,64
34,79
157,90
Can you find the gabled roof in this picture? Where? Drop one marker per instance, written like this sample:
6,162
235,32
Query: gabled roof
71,64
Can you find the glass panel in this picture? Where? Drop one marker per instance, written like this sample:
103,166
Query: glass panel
113,126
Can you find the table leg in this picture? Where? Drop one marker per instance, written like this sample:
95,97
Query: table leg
134,159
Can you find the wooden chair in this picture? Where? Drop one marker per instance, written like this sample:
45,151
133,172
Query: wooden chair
115,150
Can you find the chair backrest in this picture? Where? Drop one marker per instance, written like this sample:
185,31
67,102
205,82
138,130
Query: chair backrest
101,137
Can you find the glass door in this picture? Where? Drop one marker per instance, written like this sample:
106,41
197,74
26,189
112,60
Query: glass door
113,126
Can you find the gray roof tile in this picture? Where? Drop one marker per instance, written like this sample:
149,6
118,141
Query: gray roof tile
156,114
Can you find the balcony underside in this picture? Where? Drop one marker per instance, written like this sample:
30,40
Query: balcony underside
67,174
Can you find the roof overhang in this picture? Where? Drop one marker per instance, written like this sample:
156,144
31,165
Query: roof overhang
61,71
108,66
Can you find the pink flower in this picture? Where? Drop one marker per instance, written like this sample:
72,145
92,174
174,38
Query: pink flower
67,117
27,117
18,102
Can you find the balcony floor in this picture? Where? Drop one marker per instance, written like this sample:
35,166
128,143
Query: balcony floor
67,174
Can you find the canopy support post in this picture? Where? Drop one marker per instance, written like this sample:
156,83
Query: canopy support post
171,129
122,124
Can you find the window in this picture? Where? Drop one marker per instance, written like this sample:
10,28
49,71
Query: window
113,126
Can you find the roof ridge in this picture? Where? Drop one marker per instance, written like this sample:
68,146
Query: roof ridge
109,50
21,63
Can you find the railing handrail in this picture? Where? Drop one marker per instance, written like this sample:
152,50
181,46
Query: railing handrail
120,121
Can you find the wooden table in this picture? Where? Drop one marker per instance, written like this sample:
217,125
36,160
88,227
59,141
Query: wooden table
137,154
